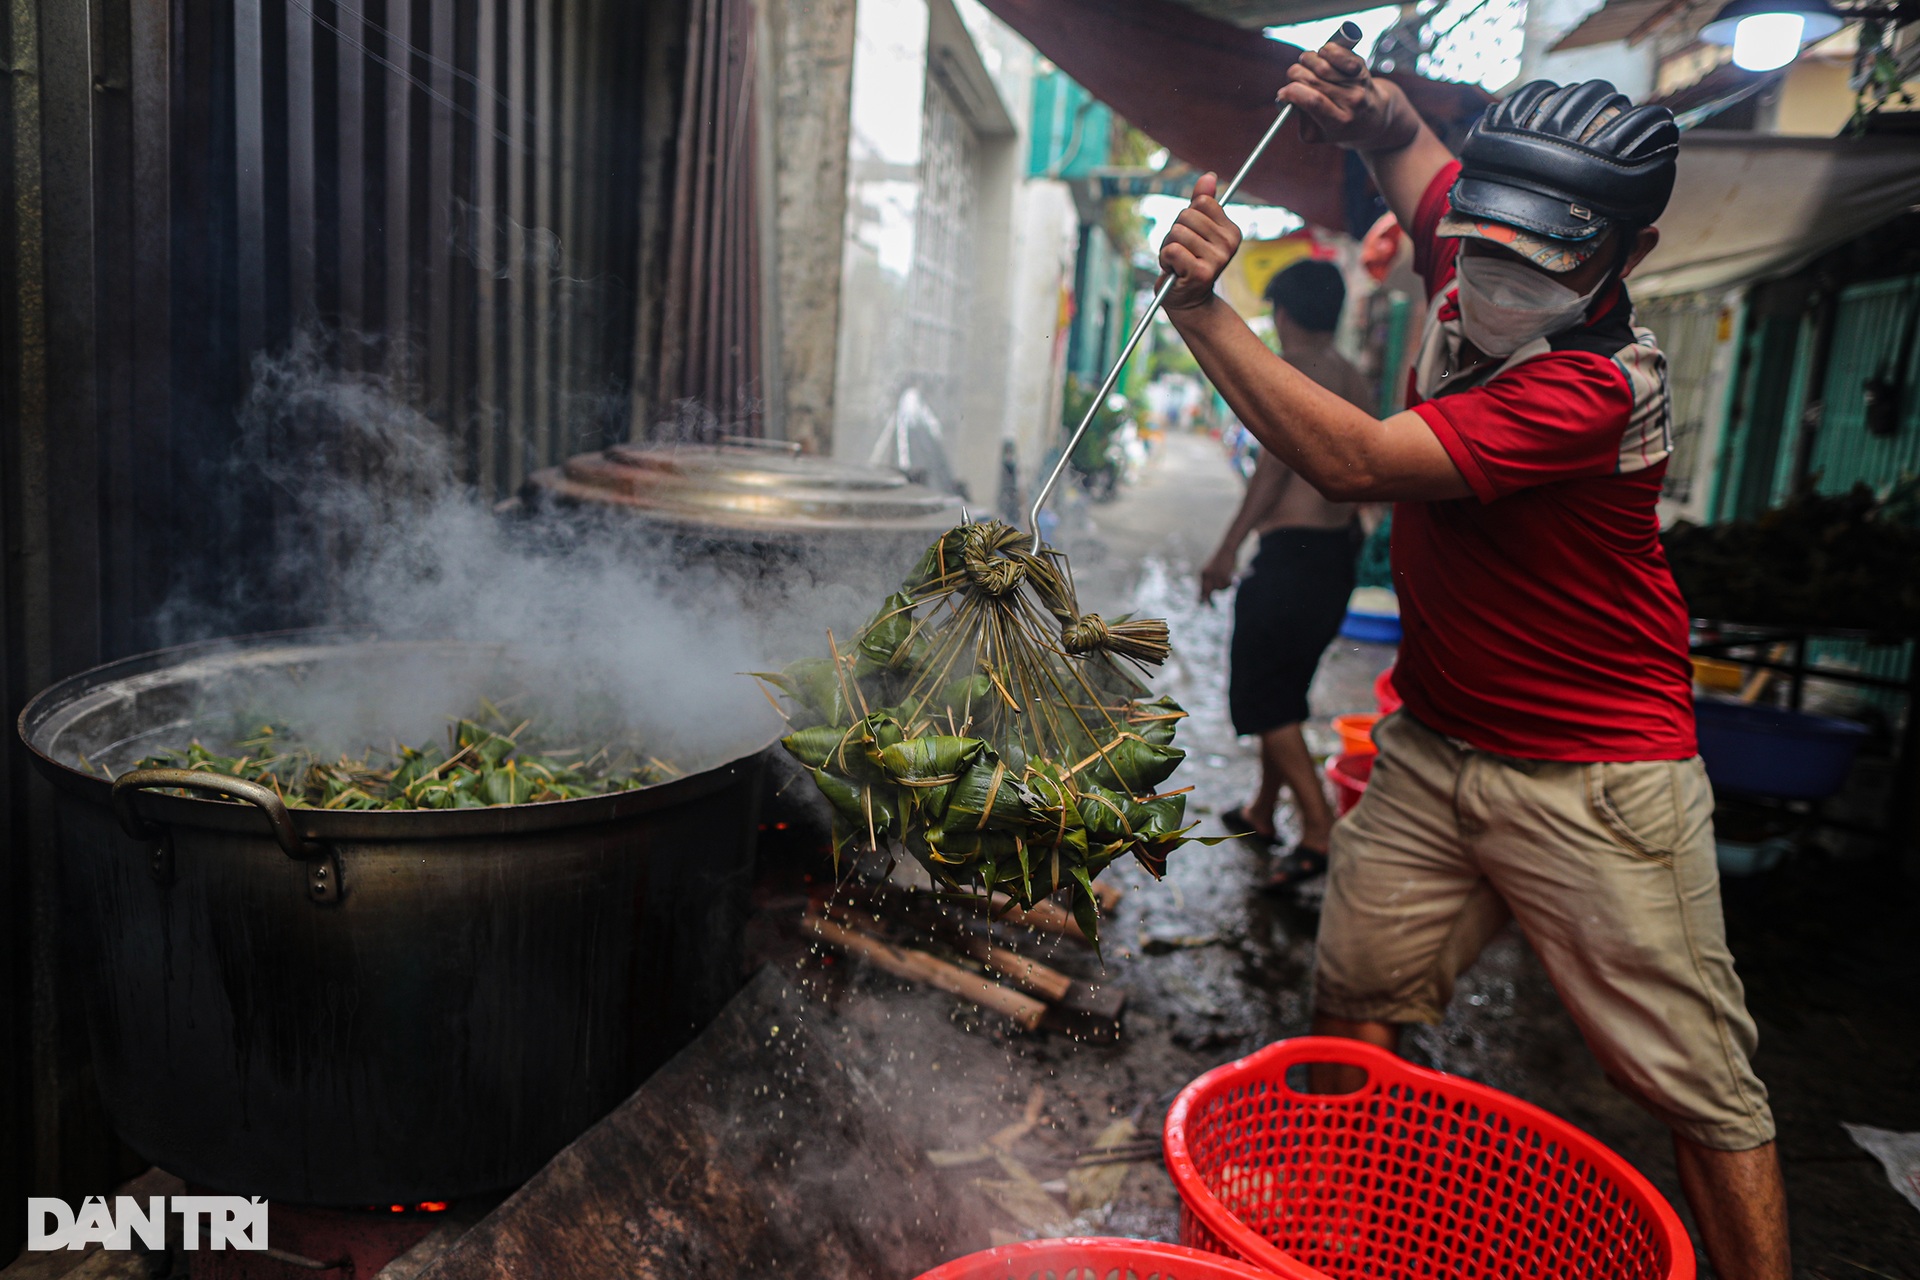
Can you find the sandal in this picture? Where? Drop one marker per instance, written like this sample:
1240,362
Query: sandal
1295,869
1236,821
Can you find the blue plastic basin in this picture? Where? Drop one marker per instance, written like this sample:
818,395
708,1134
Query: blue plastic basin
1377,628
1768,751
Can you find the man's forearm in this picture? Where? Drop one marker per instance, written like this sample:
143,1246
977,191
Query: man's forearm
1344,452
1405,158
1306,427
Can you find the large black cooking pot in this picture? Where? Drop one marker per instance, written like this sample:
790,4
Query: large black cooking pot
358,1008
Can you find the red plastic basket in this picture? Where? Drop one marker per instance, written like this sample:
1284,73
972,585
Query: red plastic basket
1094,1258
1415,1173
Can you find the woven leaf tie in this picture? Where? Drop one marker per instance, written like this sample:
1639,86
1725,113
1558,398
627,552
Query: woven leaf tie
1085,634
1141,639
997,575
993,557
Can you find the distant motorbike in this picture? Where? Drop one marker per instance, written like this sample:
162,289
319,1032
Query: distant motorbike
1105,457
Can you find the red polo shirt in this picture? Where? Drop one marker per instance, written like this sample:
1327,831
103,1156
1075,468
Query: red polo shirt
1540,617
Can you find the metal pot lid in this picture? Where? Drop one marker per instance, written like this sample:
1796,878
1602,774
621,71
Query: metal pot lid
747,486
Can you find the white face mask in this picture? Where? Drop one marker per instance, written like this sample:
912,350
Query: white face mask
1505,304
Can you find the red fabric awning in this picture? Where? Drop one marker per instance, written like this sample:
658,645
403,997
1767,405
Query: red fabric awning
1205,90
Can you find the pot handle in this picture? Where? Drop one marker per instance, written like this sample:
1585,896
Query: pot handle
323,868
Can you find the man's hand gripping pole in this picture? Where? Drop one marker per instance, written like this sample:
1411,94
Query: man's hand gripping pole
1345,38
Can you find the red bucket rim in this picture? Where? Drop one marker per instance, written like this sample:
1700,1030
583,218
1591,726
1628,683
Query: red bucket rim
1097,1249
1382,1066
1341,769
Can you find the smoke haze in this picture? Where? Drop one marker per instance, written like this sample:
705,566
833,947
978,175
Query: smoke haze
373,528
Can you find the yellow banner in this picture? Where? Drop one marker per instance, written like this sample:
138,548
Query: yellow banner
1245,284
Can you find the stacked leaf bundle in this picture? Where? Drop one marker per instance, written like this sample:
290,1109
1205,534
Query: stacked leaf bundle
1847,560
488,760
998,734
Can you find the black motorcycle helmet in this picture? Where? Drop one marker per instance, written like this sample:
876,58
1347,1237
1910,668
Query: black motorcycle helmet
1565,162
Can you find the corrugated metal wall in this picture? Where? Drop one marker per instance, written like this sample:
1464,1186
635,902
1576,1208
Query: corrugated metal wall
452,188
1873,335
1863,331
1811,342
710,347
470,198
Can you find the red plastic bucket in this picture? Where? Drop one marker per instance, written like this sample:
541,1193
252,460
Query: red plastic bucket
1094,1258
1349,774
1385,696
1415,1173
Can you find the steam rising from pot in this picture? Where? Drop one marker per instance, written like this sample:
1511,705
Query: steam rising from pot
373,526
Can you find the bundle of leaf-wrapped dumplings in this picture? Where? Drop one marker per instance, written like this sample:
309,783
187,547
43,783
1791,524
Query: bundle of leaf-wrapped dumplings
986,725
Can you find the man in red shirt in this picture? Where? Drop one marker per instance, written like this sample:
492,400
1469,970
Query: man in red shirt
1543,767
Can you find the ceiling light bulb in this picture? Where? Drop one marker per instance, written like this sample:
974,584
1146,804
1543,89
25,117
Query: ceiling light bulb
1766,41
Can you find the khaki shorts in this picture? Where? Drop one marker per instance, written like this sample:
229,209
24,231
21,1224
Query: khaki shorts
1609,869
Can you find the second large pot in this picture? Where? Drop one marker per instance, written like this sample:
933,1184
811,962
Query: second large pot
785,521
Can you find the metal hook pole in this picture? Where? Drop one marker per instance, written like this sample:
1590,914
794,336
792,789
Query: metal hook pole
1345,38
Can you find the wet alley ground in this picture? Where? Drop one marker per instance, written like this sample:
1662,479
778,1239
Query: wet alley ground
1214,969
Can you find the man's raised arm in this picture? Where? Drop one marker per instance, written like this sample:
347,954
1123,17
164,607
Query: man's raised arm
1342,450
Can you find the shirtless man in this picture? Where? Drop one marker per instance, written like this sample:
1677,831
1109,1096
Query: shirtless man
1289,607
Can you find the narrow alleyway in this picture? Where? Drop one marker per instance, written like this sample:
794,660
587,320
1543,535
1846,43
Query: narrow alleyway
1214,969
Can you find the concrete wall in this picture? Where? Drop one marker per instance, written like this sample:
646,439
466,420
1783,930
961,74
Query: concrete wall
974,443
1025,257
877,240
1814,99
812,73
1041,272
1629,67
1020,232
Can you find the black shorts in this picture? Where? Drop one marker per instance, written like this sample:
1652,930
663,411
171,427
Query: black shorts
1285,614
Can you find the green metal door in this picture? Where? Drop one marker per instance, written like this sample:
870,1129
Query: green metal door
1873,337
1769,401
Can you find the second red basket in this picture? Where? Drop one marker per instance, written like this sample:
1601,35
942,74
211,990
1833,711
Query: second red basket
1415,1173
1093,1258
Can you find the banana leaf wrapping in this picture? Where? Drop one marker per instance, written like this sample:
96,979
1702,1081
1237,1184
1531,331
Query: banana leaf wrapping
487,760
984,724
1836,560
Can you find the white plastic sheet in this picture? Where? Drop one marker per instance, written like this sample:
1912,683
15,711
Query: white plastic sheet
1749,208
1898,1152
